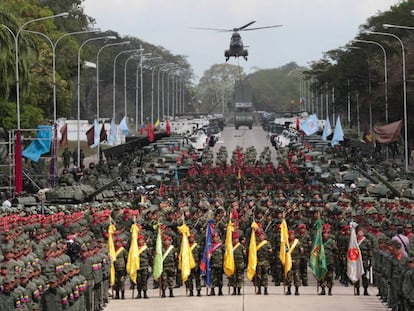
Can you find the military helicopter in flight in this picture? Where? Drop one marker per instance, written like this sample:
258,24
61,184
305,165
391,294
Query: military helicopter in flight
237,48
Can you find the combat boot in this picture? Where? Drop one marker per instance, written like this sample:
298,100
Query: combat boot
122,294
259,291
322,293
117,294
145,294
191,293
330,291
163,293
171,294
297,291
220,292
366,291
265,291
234,291
212,292
238,291
138,295
288,291
356,291
198,292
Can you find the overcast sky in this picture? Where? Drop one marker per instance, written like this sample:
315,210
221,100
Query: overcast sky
310,27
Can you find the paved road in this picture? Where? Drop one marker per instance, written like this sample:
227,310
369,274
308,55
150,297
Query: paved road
341,300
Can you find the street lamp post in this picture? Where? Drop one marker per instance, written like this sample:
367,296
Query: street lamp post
152,90
385,73
164,66
139,87
18,156
97,81
125,81
165,70
404,91
114,79
78,87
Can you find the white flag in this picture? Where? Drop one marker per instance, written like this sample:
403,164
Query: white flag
355,267
327,130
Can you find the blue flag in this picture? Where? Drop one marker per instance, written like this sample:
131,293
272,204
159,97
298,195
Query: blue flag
177,180
338,134
310,125
41,145
327,130
123,126
112,133
205,260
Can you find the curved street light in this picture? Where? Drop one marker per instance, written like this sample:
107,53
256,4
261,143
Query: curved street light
404,90
18,182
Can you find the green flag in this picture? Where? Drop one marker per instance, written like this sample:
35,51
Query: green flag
157,268
317,260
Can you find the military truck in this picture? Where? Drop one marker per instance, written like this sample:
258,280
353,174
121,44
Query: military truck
243,106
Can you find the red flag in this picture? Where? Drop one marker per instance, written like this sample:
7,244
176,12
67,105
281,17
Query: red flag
151,135
388,133
161,190
18,164
64,135
297,124
167,127
103,136
143,129
90,136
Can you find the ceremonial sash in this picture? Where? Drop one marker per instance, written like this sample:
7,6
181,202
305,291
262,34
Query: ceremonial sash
193,246
236,246
215,247
143,248
292,247
362,240
167,252
260,245
118,251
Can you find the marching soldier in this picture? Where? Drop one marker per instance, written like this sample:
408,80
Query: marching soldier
331,250
120,268
195,272
366,253
306,243
216,262
239,253
264,251
169,261
145,260
293,275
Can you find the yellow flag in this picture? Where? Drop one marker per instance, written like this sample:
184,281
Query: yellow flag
133,255
142,199
252,260
157,122
228,264
111,250
284,253
185,259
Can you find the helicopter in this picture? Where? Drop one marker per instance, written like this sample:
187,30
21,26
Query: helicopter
237,48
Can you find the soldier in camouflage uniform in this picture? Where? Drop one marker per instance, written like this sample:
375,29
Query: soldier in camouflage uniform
264,252
145,261
120,264
366,253
398,266
195,272
331,251
239,253
293,275
306,242
169,261
216,264
407,286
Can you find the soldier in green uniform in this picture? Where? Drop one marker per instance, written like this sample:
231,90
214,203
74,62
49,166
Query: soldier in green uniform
264,252
216,263
331,251
407,286
195,272
169,262
366,253
239,253
6,297
120,264
306,242
398,266
145,261
293,275
51,299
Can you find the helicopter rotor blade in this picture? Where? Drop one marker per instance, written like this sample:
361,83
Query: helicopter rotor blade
245,26
257,28
215,29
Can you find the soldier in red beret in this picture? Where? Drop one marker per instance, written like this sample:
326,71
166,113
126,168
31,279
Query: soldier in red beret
239,253
169,266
